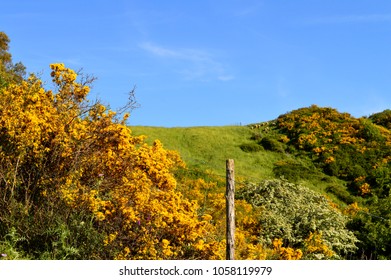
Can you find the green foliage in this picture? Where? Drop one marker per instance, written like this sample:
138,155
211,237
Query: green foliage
250,147
382,118
338,149
9,72
344,146
341,193
370,132
373,228
271,144
381,177
73,239
294,170
9,248
348,164
5,56
257,136
292,212
52,231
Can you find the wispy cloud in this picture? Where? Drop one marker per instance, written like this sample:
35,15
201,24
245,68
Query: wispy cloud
163,52
369,18
198,64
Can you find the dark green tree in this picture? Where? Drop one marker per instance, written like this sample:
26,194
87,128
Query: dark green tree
9,71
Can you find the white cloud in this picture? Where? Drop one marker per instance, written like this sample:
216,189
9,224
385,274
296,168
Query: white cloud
197,64
160,51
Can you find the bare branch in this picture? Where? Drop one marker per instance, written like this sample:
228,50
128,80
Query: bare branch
131,103
86,79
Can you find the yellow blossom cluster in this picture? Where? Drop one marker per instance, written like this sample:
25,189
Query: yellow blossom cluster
315,247
352,209
320,129
56,145
286,253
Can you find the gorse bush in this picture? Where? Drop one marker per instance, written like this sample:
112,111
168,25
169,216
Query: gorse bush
382,118
63,157
356,150
349,148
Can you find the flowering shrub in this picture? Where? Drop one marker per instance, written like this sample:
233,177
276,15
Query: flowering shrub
291,213
59,149
344,146
315,247
285,253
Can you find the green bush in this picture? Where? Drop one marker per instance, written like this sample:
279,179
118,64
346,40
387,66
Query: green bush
373,228
349,164
341,193
250,147
381,178
382,118
9,246
292,170
291,212
256,136
52,231
272,144
370,132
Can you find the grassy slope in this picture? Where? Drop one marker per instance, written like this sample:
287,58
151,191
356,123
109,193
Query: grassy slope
209,147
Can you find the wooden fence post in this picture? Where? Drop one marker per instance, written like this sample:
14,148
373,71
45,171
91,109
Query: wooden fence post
230,208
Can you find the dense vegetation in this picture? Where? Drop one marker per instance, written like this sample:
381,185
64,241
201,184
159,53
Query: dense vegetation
77,183
358,151
342,158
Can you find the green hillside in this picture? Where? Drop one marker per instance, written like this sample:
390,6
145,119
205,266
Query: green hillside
345,159
314,146
207,148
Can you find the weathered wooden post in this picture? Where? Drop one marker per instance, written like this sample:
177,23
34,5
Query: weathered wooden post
230,208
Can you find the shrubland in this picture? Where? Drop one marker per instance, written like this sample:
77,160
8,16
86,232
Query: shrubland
342,158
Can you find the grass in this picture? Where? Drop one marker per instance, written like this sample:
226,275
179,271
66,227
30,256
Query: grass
208,148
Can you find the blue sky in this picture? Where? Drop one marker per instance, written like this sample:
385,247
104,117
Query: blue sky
201,63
